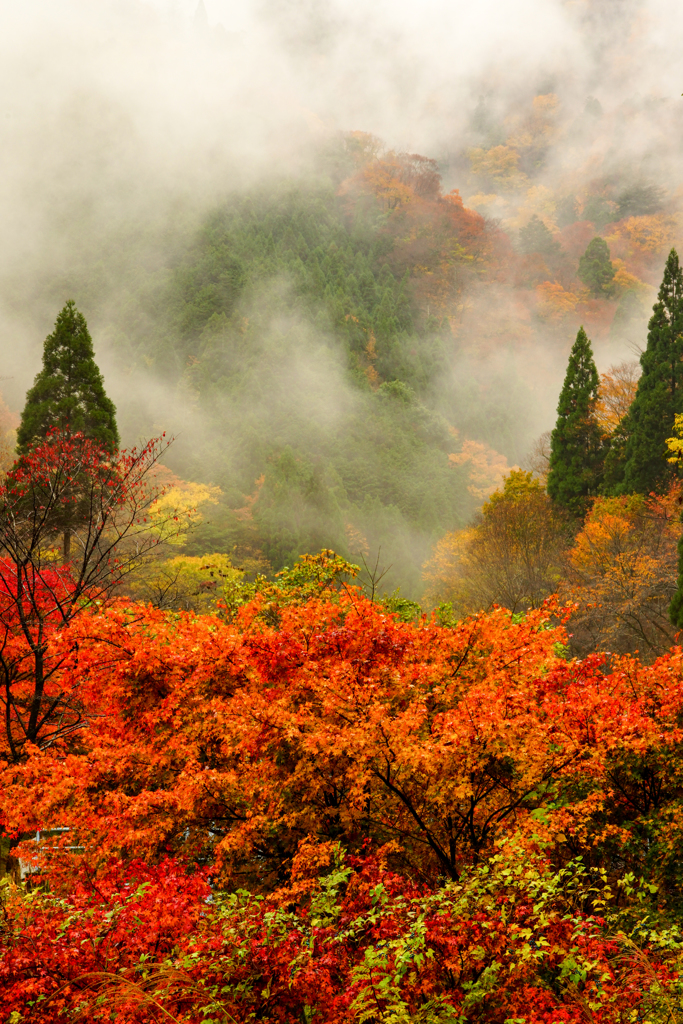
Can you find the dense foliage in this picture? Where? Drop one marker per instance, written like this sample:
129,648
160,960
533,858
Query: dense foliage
323,343
318,810
512,554
65,481
303,307
279,791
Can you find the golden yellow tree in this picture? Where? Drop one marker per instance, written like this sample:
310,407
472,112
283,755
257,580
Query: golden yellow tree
511,555
622,571
617,390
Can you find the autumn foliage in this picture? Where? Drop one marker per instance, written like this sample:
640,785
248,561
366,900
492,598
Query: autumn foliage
432,232
356,942
318,809
290,799
73,524
303,807
621,572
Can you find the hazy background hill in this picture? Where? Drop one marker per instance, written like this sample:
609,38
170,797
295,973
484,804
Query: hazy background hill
254,211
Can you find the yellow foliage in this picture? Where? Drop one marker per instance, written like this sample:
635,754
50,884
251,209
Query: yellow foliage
600,545
539,200
179,508
489,204
510,556
546,106
382,179
622,573
537,127
9,422
487,467
518,486
8,440
363,147
617,390
201,584
483,199
647,235
624,281
500,163
675,443
554,301
445,574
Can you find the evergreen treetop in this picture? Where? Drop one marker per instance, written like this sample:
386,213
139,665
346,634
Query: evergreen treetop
595,267
576,443
659,397
68,393
535,237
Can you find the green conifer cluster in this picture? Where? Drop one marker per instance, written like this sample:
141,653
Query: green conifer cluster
335,274
637,461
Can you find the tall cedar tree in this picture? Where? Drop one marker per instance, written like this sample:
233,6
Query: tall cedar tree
68,393
659,397
576,444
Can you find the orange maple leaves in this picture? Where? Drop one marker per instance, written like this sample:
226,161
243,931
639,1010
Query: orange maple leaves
234,742
259,749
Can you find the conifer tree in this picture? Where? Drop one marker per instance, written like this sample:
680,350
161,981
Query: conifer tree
676,606
659,397
535,237
576,443
595,267
68,393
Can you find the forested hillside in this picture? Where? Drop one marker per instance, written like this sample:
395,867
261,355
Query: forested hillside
308,322
341,530
363,356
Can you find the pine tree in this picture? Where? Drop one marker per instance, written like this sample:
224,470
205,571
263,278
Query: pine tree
595,267
659,397
535,237
68,393
576,443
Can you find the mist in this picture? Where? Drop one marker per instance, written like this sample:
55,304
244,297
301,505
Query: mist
125,125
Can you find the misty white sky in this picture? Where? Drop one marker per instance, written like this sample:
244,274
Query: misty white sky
234,15
529,15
